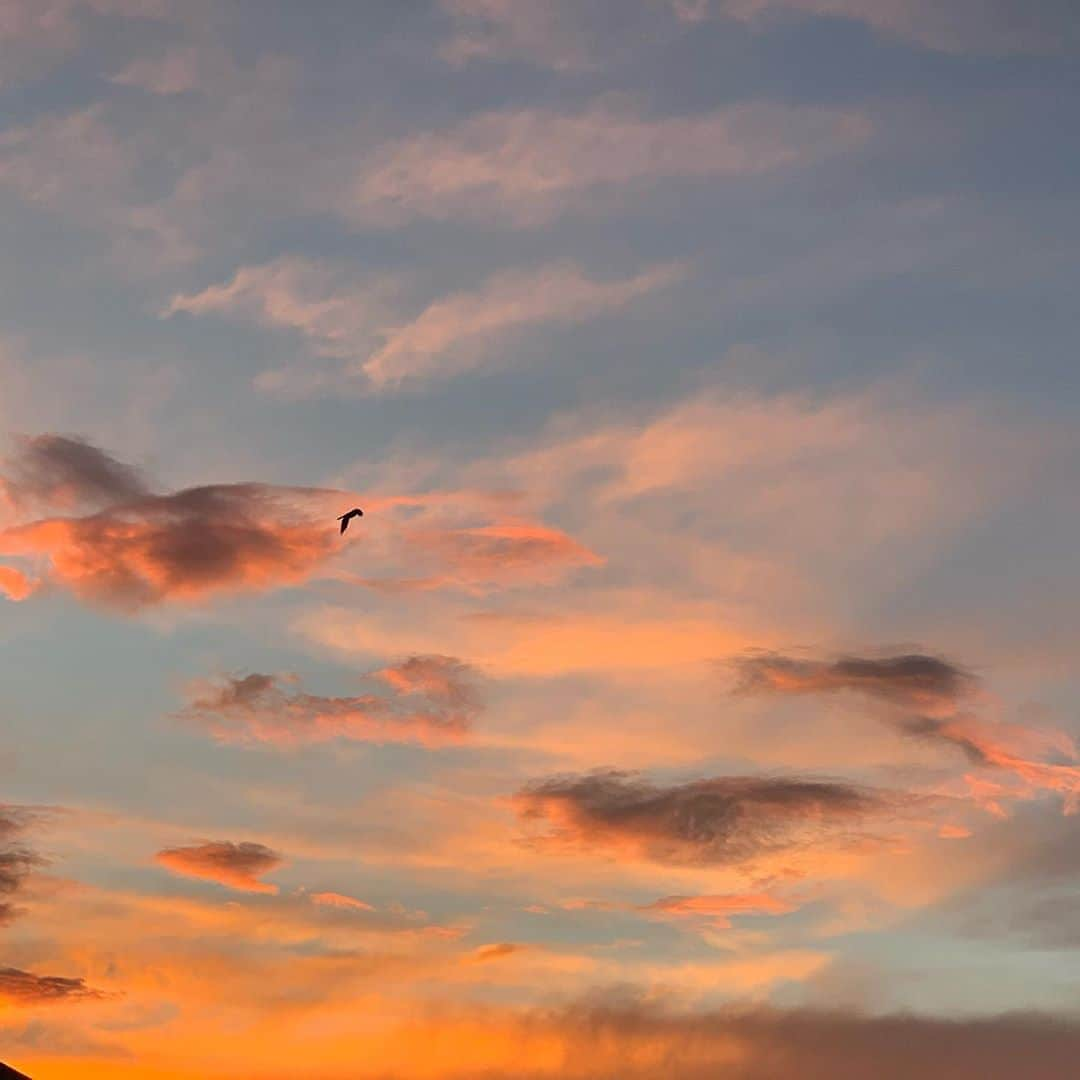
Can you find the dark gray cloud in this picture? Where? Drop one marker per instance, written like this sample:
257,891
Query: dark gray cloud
17,861
65,471
724,819
22,988
423,699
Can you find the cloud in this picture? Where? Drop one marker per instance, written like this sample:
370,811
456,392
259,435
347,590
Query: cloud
431,699
143,549
337,900
628,1041
527,167
718,910
237,866
929,697
722,820
65,471
17,861
486,953
385,343
980,26
23,989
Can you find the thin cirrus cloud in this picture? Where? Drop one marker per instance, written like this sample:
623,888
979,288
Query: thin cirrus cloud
979,26
383,343
23,989
425,699
234,865
717,911
528,167
724,820
134,549
931,698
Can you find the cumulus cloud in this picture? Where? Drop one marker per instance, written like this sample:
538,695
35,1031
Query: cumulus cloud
384,342
24,989
16,860
526,167
235,865
139,549
932,698
722,820
425,699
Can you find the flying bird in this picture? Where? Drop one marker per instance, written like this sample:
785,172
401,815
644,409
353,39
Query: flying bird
346,518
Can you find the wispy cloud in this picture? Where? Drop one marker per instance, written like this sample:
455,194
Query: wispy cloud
989,26
235,865
24,989
17,861
528,167
383,343
431,699
931,698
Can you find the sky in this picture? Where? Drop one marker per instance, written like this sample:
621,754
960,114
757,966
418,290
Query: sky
696,698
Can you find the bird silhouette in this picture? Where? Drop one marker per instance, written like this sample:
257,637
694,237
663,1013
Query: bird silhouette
346,518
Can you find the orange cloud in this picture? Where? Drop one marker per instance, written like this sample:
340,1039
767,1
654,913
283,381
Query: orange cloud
717,910
141,549
433,699
237,866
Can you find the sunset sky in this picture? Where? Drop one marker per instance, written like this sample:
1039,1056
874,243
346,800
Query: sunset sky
697,697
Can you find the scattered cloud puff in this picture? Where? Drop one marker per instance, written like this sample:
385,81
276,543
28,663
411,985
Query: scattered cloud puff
17,861
235,865
431,699
527,167
931,698
339,900
22,989
139,549
722,820
385,344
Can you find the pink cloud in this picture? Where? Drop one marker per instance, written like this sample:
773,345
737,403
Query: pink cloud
432,699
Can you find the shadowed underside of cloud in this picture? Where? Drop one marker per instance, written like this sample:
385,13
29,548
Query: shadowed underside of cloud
929,697
237,866
431,699
643,1043
141,549
725,819
21,988
16,860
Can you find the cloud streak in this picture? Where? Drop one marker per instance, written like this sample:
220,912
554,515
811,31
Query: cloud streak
931,698
22,989
385,343
17,861
235,865
426,699
725,820
528,167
